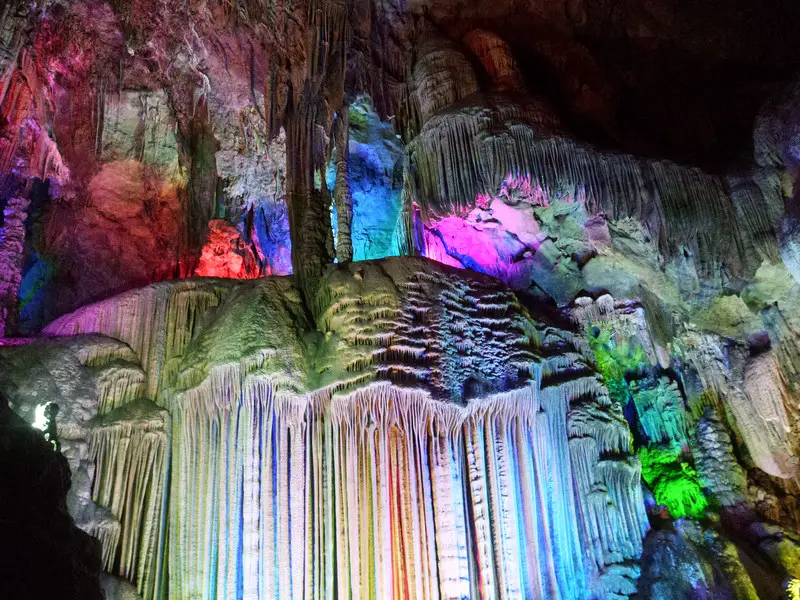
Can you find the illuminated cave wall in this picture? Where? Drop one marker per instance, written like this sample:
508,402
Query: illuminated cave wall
576,377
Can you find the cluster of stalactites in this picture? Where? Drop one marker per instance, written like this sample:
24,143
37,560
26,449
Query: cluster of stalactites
458,501
270,487
131,454
385,454
464,149
26,145
118,384
608,487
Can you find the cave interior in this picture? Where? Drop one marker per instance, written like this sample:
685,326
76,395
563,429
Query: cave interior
400,299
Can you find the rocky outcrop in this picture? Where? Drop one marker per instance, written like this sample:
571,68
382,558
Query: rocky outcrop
45,554
692,560
113,440
492,435
225,254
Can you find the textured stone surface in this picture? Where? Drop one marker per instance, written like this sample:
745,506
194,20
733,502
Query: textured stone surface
626,171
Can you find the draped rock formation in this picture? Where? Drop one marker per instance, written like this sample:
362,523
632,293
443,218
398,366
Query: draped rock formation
430,440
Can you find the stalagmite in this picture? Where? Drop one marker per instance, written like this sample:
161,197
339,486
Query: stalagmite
12,259
341,192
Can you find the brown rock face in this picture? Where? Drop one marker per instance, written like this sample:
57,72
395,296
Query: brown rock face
127,233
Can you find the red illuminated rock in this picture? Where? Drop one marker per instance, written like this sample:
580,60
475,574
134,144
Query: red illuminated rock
225,254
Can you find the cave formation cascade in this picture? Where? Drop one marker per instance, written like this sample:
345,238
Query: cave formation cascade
339,300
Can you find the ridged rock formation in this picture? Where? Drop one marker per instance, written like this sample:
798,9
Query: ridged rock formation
757,397
473,443
717,468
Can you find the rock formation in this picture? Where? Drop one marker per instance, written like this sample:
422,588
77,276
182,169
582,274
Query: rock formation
423,299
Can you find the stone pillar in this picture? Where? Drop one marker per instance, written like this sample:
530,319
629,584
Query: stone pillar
12,260
342,198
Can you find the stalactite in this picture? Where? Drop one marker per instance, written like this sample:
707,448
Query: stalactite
198,153
12,259
130,449
341,192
